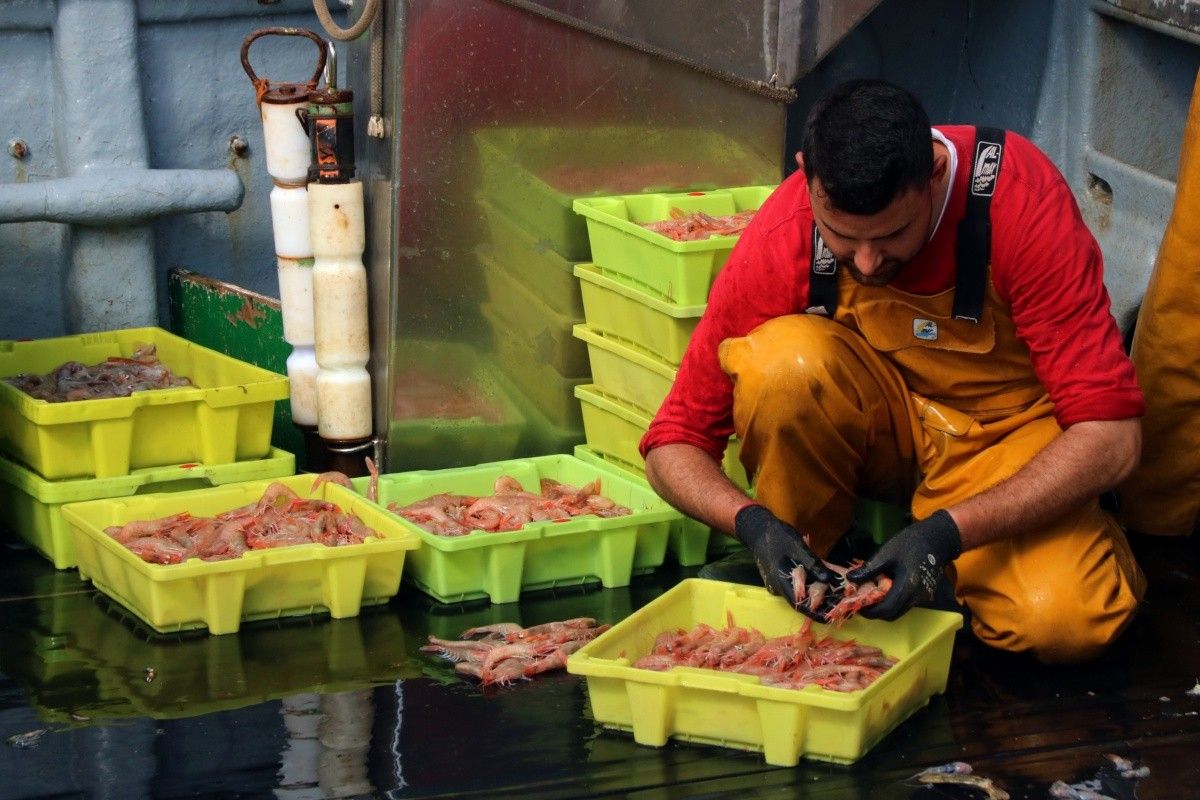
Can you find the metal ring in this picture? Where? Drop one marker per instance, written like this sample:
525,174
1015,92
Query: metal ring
321,44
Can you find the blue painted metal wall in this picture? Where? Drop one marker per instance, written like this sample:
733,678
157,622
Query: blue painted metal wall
194,97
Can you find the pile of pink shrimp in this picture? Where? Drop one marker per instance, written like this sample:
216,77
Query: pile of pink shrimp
685,227
505,652
791,661
508,509
280,518
840,601
113,377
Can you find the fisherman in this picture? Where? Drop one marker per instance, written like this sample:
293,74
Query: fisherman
918,315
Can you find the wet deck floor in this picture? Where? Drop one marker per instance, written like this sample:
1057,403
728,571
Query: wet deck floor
325,708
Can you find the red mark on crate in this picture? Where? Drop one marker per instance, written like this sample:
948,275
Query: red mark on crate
696,194
188,466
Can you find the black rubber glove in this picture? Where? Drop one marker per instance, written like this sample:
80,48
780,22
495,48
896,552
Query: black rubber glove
777,548
914,559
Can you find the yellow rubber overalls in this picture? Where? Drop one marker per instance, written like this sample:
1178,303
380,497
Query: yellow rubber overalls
1163,496
897,399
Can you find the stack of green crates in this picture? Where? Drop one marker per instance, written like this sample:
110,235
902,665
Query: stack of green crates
642,299
214,433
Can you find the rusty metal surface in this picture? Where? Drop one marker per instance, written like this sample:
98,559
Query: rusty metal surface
1183,14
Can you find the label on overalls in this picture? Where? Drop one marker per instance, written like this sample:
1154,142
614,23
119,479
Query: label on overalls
987,163
823,261
925,329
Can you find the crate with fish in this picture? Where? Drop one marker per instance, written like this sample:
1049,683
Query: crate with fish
446,400
101,404
255,550
625,312
690,542
729,665
534,173
496,530
672,245
534,379
532,261
546,330
30,505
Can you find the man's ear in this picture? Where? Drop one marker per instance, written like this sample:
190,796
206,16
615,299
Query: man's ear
941,164
800,160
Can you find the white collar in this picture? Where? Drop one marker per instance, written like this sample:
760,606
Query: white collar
950,184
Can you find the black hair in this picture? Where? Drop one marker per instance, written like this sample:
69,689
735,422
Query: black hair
868,142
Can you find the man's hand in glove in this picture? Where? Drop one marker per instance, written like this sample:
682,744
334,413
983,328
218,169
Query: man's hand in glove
914,559
777,548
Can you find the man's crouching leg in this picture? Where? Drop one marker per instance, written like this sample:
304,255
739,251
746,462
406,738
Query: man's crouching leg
1062,594
819,414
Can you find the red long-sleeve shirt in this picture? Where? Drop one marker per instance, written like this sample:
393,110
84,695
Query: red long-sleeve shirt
1045,264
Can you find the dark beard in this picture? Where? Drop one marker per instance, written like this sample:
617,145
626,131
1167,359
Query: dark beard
883,277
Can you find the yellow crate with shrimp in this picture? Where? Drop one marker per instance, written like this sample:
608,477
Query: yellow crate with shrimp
297,580
735,710
225,416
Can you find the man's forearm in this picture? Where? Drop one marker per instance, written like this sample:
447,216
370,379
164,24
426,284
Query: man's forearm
687,478
1087,459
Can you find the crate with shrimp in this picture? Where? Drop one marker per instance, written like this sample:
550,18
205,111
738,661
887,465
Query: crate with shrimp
187,404
212,558
736,709
499,529
30,505
671,245
690,542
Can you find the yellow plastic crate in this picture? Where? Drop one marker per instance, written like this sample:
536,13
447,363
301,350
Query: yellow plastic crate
263,584
227,416
629,375
638,318
680,272
730,710
614,430
30,505
532,261
541,555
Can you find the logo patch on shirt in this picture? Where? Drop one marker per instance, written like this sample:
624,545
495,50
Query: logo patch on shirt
925,329
823,262
987,166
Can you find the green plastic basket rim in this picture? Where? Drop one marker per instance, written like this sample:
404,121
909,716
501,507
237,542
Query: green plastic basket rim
487,259
542,247
617,348
592,274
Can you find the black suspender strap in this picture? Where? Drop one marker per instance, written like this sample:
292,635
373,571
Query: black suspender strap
822,278
974,246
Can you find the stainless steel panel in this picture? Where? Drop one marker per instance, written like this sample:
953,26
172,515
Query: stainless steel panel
771,41
468,72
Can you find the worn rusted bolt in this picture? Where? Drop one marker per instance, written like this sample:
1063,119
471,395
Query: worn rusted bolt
18,149
238,146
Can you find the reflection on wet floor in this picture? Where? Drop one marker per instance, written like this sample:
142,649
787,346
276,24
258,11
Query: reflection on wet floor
318,708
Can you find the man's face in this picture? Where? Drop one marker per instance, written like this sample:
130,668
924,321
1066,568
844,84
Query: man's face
875,248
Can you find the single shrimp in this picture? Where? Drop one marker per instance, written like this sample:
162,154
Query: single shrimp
330,477
799,590
985,785
499,629
373,484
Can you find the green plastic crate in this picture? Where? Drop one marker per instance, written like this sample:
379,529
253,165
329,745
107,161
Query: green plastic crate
731,710
226,417
262,584
441,442
521,171
622,311
689,541
614,430
532,261
30,505
681,272
541,555
545,330
629,375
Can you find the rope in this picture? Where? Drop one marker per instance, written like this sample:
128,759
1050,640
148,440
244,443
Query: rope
371,17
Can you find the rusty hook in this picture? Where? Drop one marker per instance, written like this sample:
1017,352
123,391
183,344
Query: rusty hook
263,82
